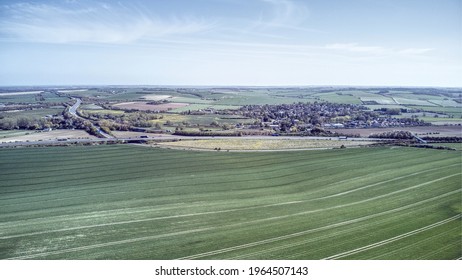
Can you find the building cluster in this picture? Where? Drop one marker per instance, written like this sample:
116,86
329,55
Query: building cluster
299,117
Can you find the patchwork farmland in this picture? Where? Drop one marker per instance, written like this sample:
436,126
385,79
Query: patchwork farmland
132,202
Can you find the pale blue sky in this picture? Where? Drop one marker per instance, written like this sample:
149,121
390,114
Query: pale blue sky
231,42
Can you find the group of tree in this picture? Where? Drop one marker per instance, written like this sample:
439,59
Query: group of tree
123,121
64,121
25,122
443,139
396,134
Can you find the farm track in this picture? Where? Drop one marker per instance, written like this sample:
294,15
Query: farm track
137,203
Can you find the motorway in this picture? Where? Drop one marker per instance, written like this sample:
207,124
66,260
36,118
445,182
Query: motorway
73,111
73,108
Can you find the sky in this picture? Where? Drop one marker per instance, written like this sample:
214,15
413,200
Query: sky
231,42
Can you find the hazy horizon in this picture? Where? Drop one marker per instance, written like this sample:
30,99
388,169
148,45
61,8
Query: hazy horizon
218,86
270,43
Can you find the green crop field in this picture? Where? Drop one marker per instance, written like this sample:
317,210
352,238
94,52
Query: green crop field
20,98
36,113
340,97
444,110
47,97
132,202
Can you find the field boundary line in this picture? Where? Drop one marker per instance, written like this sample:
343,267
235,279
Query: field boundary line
393,239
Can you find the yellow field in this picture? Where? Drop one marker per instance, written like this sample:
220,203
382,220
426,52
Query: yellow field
104,111
50,135
174,118
262,144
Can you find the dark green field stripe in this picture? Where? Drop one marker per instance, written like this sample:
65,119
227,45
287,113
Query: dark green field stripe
195,157
111,168
220,178
193,160
125,191
96,153
287,183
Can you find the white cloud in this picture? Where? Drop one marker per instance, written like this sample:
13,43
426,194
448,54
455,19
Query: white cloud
416,51
354,47
96,24
375,50
284,13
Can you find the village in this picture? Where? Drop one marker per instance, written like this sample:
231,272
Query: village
300,117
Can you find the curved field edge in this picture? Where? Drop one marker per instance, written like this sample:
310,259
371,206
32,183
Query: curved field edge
129,202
